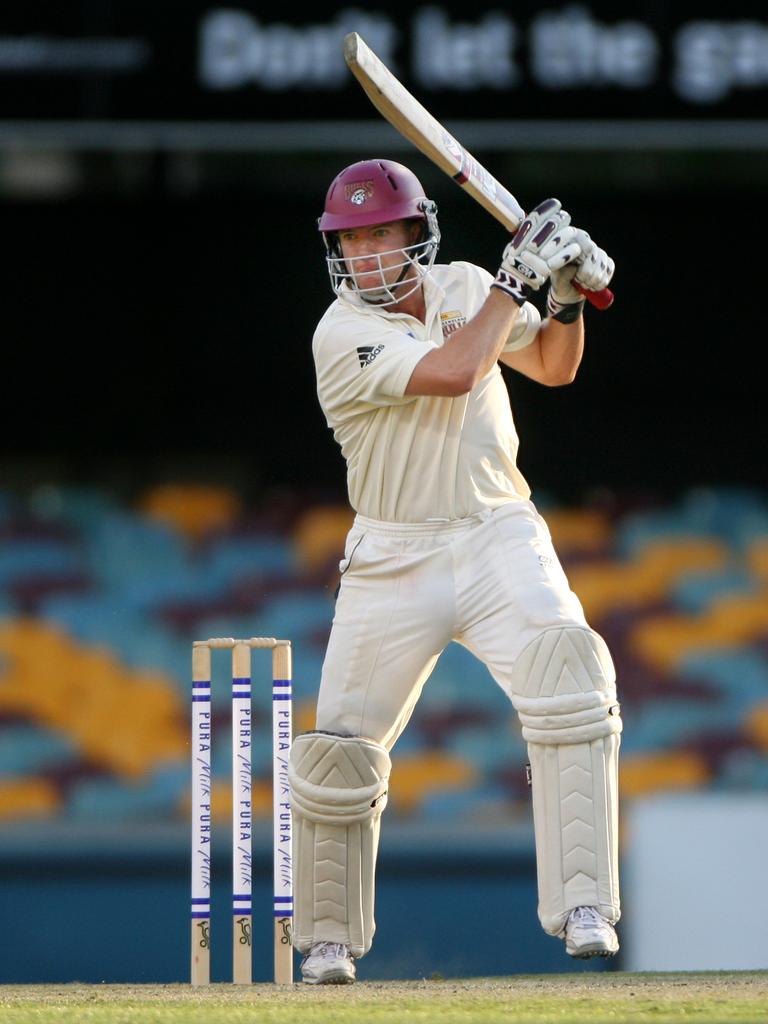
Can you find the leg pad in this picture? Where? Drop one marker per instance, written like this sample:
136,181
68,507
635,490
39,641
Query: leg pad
565,694
338,793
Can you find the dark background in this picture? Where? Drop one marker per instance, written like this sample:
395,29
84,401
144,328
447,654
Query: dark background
160,330
160,292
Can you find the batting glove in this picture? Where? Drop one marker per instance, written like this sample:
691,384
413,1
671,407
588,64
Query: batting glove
593,269
543,242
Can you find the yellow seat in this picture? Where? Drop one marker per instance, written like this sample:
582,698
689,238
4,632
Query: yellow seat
642,774
304,716
262,799
606,586
221,802
668,558
576,530
756,558
662,640
132,745
730,621
415,776
320,534
194,510
28,798
123,720
37,672
756,725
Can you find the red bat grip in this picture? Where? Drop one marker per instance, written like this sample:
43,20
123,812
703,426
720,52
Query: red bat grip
600,300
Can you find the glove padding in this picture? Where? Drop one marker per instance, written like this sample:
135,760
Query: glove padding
544,242
593,269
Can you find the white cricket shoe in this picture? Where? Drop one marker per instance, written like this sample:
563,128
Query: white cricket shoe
328,963
588,934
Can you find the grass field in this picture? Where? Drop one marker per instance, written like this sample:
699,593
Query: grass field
543,999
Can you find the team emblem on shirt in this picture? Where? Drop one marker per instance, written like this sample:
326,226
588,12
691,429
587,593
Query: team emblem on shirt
452,321
367,354
358,191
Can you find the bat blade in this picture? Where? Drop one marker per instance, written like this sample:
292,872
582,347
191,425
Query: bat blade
415,123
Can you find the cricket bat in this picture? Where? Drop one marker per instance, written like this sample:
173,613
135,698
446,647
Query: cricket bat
415,123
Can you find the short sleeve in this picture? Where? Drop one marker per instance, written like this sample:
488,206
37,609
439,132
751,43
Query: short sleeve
367,366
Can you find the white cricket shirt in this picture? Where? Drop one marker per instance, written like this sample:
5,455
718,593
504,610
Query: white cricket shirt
412,459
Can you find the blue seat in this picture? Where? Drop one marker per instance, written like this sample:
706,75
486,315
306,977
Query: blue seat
150,591
79,507
735,514
20,558
453,806
296,615
732,515
489,749
740,676
30,749
670,722
409,742
231,559
694,592
106,799
122,547
461,678
155,648
97,620
483,805
743,770
639,529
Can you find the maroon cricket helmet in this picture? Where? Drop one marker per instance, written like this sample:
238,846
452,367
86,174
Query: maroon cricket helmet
372,192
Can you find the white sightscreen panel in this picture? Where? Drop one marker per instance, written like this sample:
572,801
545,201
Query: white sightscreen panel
694,883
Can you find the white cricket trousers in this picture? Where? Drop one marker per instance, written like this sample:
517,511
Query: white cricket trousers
491,582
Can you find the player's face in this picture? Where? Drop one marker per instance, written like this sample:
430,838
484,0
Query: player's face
374,254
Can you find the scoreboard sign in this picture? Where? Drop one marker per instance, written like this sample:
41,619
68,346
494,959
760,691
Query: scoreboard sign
251,61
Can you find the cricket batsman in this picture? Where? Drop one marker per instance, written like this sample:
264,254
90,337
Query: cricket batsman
446,545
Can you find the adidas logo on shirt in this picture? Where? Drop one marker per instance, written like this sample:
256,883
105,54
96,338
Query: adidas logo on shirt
367,354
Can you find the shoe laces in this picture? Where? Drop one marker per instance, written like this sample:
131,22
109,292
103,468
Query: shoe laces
332,950
586,915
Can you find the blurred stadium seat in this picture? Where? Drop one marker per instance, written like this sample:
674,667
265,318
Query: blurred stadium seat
230,558
195,510
577,531
415,776
729,622
101,598
643,774
26,798
319,535
756,725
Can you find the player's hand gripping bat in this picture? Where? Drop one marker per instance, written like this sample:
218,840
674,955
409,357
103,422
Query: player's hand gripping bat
412,120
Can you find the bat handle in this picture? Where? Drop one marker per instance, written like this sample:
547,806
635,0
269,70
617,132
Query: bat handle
600,300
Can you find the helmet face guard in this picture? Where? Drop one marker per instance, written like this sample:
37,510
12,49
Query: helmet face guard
377,192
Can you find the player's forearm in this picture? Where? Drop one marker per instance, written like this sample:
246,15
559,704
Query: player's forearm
561,347
470,353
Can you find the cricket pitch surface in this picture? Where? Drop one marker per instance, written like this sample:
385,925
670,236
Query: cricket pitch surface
524,999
